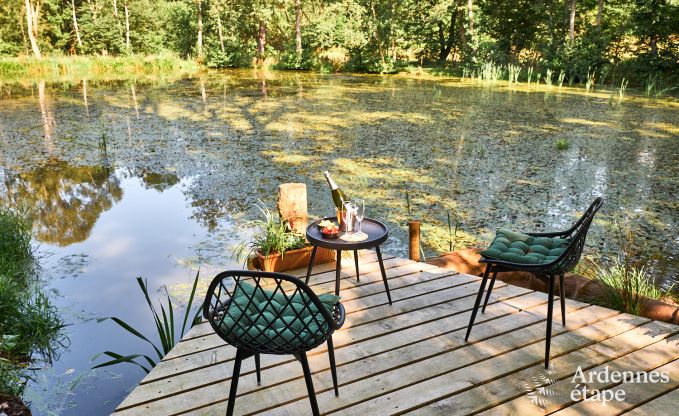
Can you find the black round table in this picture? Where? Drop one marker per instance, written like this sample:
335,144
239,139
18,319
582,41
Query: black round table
377,234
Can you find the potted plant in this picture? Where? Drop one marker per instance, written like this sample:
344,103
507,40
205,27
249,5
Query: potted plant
275,247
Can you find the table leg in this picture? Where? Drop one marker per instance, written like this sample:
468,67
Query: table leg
384,274
338,266
358,278
311,264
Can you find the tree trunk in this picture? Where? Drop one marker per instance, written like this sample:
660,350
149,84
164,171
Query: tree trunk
377,35
261,42
599,13
75,25
32,21
470,14
298,27
445,46
571,22
127,27
199,42
115,8
221,33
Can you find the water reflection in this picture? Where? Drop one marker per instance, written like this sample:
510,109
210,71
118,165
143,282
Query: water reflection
64,200
196,153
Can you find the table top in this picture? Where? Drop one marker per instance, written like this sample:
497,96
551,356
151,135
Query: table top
377,234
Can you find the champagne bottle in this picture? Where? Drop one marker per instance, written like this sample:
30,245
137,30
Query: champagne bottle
338,195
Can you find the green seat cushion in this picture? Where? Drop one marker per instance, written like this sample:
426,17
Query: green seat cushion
525,249
272,320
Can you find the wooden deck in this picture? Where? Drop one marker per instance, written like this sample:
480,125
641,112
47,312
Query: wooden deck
411,357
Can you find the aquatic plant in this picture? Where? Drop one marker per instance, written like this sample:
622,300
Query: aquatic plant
562,75
94,67
655,85
513,72
591,80
562,144
452,235
530,73
165,326
626,286
548,77
622,89
408,203
272,235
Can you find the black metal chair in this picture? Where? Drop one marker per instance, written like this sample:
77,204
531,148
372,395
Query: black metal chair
546,255
272,313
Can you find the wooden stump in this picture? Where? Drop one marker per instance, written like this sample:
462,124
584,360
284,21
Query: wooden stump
292,205
414,240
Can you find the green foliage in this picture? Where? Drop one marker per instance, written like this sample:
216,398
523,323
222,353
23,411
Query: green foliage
627,287
30,327
272,235
562,144
54,68
165,327
635,38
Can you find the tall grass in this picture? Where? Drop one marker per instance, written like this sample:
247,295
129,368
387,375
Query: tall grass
514,71
94,67
590,82
625,281
655,85
164,325
562,75
30,327
622,89
626,286
548,77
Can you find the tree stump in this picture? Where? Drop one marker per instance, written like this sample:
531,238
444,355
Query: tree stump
414,240
292,205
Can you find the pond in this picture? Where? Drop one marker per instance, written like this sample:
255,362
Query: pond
157,179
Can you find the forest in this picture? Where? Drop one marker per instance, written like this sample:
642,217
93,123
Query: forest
635,39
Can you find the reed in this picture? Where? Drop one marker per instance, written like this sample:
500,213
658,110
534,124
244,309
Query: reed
55,68
562,75
164,325
548,77
622,89
590,82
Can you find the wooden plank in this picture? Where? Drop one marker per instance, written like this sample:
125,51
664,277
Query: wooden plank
426,288
371,283
536,391
222,351
326,274
459,370
394,359
211,340
663,405
633,393
344,353
428,313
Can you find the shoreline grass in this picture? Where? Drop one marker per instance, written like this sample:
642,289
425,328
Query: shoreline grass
56,68
30,327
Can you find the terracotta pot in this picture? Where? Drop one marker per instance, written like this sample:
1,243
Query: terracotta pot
293,259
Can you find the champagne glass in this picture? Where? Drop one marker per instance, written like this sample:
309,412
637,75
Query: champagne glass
347,212
359,209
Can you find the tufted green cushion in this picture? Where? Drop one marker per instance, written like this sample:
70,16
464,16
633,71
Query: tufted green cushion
525,249
257,316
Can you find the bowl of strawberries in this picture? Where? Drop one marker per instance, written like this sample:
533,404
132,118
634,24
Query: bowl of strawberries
329,229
